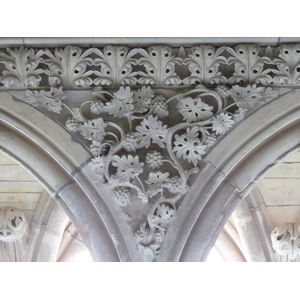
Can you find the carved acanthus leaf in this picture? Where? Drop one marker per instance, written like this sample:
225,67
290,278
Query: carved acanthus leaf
21,64
203,63
68,67
248,65
115,66
288,65
159,65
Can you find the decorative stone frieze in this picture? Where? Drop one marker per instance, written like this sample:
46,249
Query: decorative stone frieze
12,224
286,241
159,65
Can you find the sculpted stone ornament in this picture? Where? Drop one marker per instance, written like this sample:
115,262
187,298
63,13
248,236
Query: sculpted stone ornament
248,65
159,65
68,67
52,100
115,66
139,155
286,241
12,224
203,63
131,160
21,67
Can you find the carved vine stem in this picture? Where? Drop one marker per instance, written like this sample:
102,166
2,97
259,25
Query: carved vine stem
124,155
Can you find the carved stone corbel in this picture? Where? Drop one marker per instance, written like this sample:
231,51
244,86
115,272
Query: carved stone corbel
286,242
12,224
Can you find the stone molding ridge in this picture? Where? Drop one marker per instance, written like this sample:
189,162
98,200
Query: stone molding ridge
156,66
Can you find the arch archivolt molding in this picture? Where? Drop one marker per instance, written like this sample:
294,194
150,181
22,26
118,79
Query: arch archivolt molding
149,137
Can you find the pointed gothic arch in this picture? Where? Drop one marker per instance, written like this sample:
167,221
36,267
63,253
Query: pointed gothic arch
245,154
47,150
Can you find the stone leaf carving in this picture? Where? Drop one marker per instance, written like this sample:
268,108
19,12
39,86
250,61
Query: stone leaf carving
127,167
150,131
246,97
159,66
248,65
21,64
286,240
93,130
194,110
51,100
156,182
188,146
68,67
129,141
121,104
149,240
288,65
222,123
12,224
115,66
203,63
163,216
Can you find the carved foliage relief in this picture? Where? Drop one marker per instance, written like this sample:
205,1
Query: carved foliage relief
159,65
21,67
147,146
